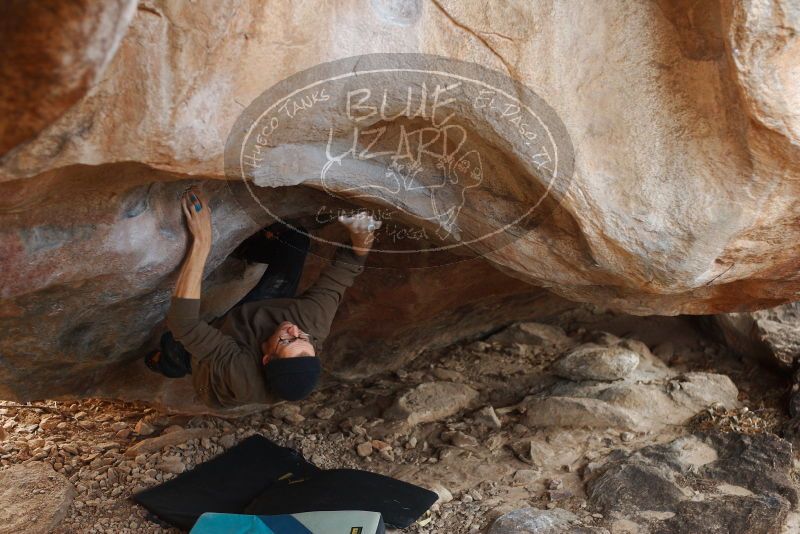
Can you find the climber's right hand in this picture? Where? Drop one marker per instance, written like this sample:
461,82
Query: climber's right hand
198,217
362,226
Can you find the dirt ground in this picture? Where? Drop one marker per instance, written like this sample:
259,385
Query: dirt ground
469,457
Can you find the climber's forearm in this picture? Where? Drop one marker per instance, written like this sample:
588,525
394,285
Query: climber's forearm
191,275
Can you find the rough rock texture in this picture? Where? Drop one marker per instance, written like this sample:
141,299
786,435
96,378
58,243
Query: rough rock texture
715,483
771,335
595,362
681,199
536,334
534,521
33,498
648,397
431,401
53,53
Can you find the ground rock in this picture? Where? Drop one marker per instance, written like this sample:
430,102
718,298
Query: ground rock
444,495
364,449
33,498
533,334
143,428
431,401
460,439
157,443
486,416
716,483
227,441
595,362
620,487
772,335
730,515
629,404
535,521
172,464
578,412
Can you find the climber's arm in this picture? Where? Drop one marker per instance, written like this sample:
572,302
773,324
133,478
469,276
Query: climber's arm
198,219
183,318
221,373
314,310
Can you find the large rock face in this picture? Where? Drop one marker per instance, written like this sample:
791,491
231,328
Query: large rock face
680,197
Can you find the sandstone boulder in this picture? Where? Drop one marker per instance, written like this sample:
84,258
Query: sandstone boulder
675,198
33,498
629,404
772,335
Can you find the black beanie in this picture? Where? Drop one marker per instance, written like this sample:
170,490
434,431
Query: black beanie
292,378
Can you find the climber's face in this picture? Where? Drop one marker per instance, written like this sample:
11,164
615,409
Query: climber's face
288,341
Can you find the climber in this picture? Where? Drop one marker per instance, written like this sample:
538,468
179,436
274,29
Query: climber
266,346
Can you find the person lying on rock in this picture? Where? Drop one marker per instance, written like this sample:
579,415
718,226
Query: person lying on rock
266,346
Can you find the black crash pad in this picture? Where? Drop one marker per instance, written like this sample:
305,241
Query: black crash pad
226,483
262,478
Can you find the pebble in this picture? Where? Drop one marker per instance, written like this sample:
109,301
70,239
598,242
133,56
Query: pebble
172,464
49,424
294,418
364,449
143,428
227,441
444,494
325,413
526,477
380,445
488,417
459,439
282,411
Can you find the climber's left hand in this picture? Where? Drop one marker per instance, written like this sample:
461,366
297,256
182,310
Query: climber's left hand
198,217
